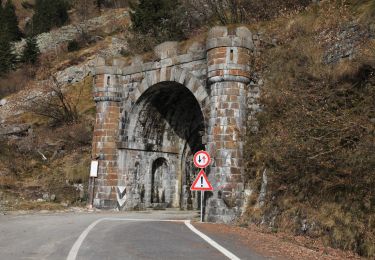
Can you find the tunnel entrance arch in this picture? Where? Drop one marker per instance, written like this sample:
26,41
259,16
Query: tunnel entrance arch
218,73
163,130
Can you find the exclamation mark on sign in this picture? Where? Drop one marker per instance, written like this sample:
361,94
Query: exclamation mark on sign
201,181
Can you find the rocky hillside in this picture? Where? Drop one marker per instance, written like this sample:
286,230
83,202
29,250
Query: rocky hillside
44,160
311,161
310,152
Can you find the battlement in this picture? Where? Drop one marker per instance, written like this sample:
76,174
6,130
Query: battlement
155,111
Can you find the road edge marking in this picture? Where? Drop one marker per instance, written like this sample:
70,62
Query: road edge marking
143,219
211,242
75,248
77,245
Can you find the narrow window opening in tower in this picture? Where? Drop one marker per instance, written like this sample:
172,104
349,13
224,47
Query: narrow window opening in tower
231,55
108,81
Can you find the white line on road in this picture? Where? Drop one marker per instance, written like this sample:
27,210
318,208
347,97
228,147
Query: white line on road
75,248
211,242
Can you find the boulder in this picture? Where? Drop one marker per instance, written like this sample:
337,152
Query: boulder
14,129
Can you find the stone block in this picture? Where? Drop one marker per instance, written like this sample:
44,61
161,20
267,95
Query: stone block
222,100
217,31
166,50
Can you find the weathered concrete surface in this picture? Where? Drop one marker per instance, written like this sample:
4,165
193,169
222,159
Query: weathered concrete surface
152,117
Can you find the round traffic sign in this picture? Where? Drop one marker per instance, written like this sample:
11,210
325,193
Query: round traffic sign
202,159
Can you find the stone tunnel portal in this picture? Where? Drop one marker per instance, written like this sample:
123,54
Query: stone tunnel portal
163,131
152,116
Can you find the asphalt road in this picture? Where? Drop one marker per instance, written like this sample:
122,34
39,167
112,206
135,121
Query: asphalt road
125,235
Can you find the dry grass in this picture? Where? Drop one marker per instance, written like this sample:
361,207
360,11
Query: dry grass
16,80
77,172
365,9
316,137
26,176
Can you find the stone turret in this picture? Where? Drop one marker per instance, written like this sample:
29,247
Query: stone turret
228,76
108,97
162,111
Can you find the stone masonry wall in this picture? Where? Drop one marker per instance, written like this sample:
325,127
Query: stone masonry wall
228,57
144,130
105,137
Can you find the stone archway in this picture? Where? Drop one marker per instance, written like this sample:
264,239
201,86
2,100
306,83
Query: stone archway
134,122
160,182
164,128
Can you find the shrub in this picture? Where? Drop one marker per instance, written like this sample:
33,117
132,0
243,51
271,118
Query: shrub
156,21
7,58
159,18
31,52
73,46
9,22
16,80
49,14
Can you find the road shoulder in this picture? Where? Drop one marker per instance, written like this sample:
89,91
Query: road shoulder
270,245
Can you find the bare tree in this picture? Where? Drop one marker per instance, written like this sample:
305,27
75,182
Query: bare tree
56,104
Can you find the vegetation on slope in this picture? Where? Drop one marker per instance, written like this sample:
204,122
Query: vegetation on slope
46,165
48,160
47,15
316,136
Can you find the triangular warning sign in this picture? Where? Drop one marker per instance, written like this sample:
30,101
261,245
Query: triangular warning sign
201,183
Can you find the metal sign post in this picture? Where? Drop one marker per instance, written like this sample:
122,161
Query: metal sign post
93,175
201,160
202,197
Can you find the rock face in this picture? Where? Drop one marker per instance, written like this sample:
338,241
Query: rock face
14,129
152,117
54,39
110,23
75,74
14,105
347,39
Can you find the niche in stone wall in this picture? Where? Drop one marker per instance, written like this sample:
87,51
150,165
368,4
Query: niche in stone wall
160,179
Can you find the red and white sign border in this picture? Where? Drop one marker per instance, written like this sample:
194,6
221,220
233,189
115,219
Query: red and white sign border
209,188
208,159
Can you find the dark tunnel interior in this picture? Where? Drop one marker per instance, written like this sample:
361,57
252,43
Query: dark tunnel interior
167,110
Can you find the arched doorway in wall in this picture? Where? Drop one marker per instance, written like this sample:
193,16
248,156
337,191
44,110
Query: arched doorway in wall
160,178
163,130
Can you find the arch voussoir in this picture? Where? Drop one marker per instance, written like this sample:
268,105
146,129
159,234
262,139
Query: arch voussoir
175,74
182,77
201,95
137,93
190,99
151,78
143,86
